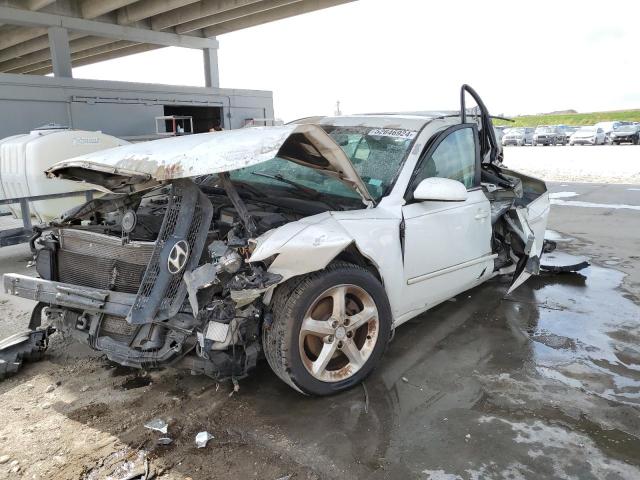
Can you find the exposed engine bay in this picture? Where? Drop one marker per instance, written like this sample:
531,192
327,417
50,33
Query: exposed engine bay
213,313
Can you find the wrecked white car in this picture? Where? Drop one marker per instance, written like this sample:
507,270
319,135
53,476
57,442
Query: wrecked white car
306,243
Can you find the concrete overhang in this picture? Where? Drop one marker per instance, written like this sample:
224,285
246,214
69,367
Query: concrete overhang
104,29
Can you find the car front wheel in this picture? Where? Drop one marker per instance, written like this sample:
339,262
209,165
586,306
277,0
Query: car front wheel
329,329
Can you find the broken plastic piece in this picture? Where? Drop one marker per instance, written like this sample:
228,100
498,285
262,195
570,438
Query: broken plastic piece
202,439
158,425
164,441
559,262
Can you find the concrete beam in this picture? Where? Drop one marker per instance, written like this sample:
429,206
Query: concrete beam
15,35
37,4
60,53
196,10
44,55
123,52
95,8
148,8
31,46
211,72
101,29
78,56
306,6
233,14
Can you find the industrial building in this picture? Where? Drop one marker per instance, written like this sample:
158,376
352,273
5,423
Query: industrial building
43,37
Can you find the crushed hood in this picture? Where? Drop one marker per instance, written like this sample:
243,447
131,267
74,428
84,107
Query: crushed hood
118,169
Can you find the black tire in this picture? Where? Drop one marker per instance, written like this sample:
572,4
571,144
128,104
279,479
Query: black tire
291,301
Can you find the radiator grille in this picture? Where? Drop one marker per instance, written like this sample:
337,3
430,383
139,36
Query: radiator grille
187,217
116,328
100,261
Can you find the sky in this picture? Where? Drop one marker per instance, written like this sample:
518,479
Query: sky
522,57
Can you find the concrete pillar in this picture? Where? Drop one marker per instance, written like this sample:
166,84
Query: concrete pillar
60,52
211,73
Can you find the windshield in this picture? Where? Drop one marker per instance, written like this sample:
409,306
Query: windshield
544,130
625,128
376,153
587,129
516,131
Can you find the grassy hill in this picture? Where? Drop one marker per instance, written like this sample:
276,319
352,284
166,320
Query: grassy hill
572,118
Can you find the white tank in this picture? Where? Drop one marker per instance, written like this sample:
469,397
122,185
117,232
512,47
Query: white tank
24,158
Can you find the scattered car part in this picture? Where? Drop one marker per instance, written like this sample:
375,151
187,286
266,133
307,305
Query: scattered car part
202,438
562,262
157,425
22,347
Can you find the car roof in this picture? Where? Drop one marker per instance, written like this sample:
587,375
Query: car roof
400,120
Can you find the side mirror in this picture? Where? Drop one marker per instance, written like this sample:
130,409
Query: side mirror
441,190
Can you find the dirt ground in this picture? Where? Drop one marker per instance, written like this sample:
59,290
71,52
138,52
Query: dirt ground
543,383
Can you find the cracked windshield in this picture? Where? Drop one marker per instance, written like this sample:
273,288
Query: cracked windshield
376,154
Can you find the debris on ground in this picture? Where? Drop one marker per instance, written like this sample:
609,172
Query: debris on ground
164,441
405,379
236,386
366,398
25,346
4,459
561,262
202,438
158,425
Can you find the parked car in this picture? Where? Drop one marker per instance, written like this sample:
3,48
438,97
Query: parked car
565,132
608,127
628,133
307,244
547,135
518,136
588,136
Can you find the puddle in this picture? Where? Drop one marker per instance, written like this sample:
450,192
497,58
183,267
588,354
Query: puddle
560,344
580,341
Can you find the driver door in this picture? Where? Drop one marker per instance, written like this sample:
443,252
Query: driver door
447,245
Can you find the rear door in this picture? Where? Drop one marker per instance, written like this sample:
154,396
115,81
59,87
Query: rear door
447,245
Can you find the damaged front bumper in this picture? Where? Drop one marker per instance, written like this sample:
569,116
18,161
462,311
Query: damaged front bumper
70,296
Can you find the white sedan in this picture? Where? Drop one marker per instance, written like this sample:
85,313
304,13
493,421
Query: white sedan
307,243
588,136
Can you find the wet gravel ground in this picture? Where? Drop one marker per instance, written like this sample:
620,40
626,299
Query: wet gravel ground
542,383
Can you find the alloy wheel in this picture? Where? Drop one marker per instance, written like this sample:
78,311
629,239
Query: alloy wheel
338,333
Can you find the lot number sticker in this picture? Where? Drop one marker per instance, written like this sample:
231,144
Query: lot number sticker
392,132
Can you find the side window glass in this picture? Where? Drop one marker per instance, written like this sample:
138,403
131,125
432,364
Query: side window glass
454,158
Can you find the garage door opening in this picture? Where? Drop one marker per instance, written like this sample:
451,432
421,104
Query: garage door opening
204,118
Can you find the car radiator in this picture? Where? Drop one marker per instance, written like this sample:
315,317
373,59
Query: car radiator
95,260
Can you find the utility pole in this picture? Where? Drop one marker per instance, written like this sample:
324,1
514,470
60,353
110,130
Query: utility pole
337,113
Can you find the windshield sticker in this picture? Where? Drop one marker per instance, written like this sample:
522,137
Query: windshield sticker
376,182
392,132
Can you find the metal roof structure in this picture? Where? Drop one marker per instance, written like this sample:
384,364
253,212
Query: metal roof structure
38,37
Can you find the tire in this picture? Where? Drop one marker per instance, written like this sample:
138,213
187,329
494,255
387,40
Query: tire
293,353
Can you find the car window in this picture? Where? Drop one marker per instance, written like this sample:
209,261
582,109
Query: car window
454,158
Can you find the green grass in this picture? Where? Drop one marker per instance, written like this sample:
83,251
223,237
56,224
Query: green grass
572,118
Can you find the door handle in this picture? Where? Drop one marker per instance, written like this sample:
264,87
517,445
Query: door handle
482,214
